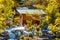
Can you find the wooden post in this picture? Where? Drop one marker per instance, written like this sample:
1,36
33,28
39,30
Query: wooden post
21,21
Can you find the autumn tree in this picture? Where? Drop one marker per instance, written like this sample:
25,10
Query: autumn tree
6,12
51,7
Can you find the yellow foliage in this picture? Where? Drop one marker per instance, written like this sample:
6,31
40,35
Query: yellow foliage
57,21
40,6
57,14
37,32
1,0
52,6
6,12
54,29
2,19
17,18
30,28
26,38
1,31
